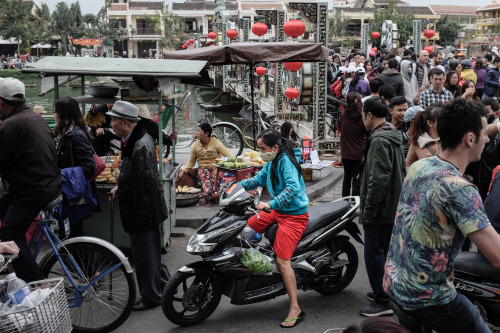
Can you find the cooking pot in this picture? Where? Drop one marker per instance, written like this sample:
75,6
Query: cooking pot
103,91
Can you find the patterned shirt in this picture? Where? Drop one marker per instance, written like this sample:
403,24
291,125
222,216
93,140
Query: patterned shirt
429,97
437,207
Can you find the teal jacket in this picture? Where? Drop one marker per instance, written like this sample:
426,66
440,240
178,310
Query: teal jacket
289,197
381,174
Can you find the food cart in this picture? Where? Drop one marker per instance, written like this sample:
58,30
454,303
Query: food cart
169,73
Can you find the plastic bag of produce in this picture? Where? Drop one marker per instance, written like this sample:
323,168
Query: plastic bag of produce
256,261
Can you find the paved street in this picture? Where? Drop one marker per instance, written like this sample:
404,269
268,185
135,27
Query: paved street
323,312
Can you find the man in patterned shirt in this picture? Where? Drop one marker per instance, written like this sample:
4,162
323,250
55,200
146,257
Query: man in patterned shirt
437,93
437,208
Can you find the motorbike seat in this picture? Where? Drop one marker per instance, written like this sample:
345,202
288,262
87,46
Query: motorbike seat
319,216
475,263
270,117
53,204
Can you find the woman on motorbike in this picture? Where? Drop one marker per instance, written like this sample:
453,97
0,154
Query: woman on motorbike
288,207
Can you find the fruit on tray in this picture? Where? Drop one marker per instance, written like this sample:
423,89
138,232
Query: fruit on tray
231,159
187,189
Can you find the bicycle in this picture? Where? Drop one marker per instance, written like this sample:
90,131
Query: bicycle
261,124
229,134
98,279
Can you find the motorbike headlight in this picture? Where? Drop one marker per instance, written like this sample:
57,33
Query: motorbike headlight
200,243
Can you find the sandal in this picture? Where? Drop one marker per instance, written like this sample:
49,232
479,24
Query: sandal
297,319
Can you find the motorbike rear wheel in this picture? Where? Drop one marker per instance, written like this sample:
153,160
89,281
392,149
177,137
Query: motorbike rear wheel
188,301
344,274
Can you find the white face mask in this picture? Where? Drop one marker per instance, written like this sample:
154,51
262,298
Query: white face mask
268,156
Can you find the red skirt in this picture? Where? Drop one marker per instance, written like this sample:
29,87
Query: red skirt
290,230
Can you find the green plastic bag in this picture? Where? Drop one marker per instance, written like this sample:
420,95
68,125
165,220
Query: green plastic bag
255,261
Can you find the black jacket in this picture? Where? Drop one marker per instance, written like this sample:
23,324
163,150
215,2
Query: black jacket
28,160
393,78
81,152
140,193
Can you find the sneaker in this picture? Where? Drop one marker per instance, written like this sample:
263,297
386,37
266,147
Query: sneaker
375,309
337,164
371,296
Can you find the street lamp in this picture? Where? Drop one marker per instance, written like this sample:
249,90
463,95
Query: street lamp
132,32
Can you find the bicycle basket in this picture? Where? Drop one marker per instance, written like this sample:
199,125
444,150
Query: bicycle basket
50,316
246,113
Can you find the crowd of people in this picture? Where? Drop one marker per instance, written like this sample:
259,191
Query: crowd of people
420,147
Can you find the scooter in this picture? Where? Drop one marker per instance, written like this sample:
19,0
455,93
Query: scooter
476,279
324,260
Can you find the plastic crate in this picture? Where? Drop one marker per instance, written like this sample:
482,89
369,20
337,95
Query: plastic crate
225,175
50,316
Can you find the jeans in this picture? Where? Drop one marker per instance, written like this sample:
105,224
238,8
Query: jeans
152,273
377,239
460,315
351,172
16,219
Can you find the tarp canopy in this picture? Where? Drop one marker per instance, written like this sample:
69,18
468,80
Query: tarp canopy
41,46
254,52
95,66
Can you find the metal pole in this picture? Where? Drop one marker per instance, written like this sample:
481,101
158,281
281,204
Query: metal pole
173,127
160,133
56,87
253,104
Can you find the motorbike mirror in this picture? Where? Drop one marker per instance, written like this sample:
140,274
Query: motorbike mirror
257,195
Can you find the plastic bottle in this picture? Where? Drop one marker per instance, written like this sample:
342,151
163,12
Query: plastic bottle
251,235
17,289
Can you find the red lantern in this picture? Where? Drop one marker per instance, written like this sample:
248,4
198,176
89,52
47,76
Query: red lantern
191,47
231,33
191,41
372,53
294,28
374,49
259,29
183,46
293,66
429,49
212,35
429,33
260,70
375,35
292,93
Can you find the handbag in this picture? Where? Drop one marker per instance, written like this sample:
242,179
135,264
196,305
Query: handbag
99,165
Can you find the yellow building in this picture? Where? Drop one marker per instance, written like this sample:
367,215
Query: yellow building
488,19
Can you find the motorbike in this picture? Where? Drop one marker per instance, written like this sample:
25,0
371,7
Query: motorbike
324,260
476,279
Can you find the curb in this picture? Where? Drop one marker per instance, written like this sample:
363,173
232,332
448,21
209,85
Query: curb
199,214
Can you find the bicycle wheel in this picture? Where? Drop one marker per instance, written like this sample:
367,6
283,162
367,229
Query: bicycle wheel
229,135
248,135
109,301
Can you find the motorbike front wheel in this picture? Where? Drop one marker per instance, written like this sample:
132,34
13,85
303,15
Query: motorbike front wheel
188,301
345,262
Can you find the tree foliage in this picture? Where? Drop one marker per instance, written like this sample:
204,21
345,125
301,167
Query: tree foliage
168,25
402,17
448,29
337,25
67,22
15,21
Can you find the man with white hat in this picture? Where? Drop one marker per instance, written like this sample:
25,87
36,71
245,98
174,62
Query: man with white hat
29,172
142,205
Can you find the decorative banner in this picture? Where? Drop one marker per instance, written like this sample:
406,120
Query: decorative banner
84,41
386,34
417,37
364,37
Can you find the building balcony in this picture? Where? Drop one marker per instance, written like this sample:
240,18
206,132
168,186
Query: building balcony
145,31
488,21
118,7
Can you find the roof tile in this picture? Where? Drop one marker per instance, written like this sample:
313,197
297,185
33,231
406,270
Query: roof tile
454,10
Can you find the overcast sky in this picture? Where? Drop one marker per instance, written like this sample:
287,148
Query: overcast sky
93,6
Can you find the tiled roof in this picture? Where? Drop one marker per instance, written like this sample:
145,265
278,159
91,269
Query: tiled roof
495,4
200,6
353,9
145,5
454,10
416,10
250,6
386,2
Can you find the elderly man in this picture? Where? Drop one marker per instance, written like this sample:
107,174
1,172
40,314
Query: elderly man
29,172
142,205
437,93
422,69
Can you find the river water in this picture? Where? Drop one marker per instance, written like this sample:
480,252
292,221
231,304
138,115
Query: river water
186,120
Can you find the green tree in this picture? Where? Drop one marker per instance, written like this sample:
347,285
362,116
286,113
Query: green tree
337,26
402,17
448,29
170,26
43,12
15,21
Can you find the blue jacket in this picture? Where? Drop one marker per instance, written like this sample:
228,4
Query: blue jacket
289,197
491,82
